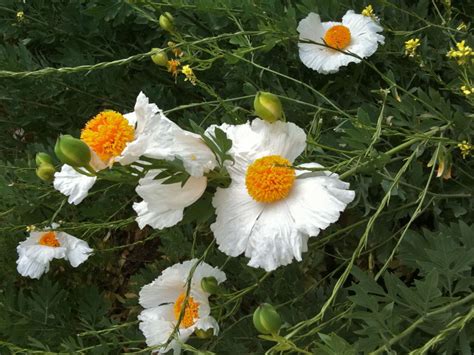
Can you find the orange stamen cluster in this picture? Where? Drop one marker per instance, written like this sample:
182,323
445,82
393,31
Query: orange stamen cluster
191,311
338,36
49,239
269,179
107,134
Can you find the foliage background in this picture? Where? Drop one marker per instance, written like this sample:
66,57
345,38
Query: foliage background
394,275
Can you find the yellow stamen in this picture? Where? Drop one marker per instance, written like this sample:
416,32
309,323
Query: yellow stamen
49,239
107,134
191,311
338,36
269,179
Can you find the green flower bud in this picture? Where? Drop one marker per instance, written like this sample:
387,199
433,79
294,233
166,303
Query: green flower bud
45,172
210,285
43,158
268,107
160,58
72,151
266,319
167,22
204,334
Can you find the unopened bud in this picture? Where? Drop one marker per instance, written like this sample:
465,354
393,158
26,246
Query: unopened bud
167,22
210,285
160,58
266,319
45,172
204,334
72,151
268,106
43,158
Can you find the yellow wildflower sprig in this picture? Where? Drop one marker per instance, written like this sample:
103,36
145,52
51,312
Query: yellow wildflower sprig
189,73
368,11
463,54
411,45
465,147
467,90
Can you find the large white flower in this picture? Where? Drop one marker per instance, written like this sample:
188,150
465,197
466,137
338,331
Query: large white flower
40,248
356,34
112,137
163,302
270,210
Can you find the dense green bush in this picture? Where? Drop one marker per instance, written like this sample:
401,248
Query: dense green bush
393,275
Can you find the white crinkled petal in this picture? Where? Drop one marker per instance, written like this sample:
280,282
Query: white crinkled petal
144,118
41,253
77,250
73,184
364,36
163,204
167,287
310,28
256,139
31,268
171,142
155,327
236,215
208,323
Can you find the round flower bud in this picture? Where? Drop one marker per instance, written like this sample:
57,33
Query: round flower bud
204,334
266,319
43,158
210,285
268,106
160,58
167,22
72,151
45,172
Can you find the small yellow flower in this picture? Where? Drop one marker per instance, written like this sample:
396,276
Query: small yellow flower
190,76
462,27
20,16
465,148
411,45
369,12
467,90
173,65
30,228
462,54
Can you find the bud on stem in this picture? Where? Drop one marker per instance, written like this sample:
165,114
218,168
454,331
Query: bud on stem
268,107
160,58
266,319
167,22
73,152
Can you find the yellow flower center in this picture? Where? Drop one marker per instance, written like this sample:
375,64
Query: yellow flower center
338,36
49,239
107,134
269,179
190,312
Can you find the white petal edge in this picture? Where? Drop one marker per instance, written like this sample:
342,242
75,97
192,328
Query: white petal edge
163,204
77,250
73,184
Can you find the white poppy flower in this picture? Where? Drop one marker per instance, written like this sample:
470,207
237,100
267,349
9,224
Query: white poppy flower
163,301
270,210
356,34
112,137
163,204
40,248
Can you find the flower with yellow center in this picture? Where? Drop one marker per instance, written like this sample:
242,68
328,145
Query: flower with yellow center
41,247
173,67
20,16
322,44
465,147
411,45
107,134
463,54
272,206
189,73
112,138
164,301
